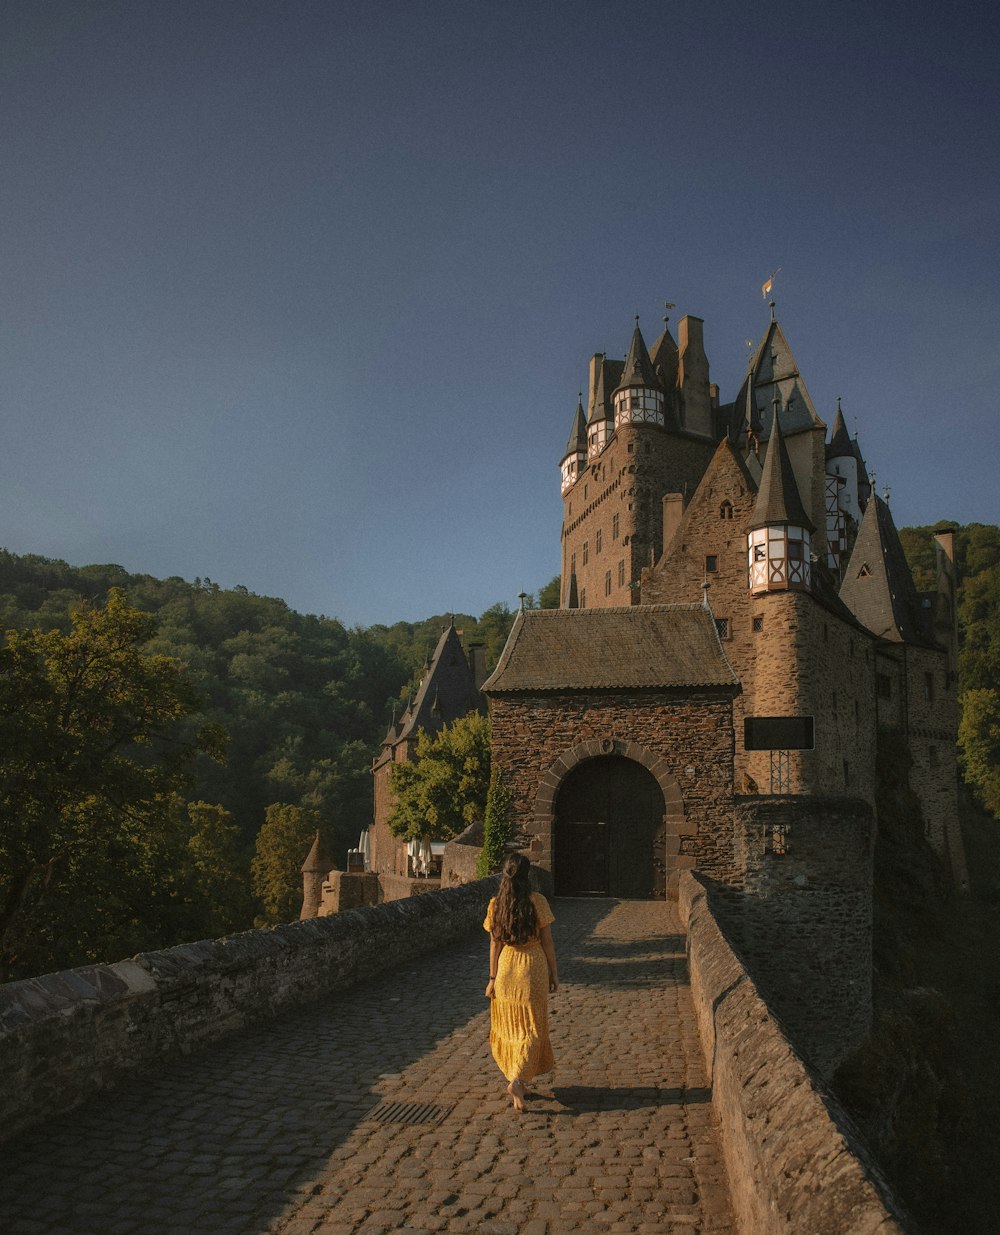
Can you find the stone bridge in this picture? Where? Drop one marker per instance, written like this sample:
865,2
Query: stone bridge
676,1103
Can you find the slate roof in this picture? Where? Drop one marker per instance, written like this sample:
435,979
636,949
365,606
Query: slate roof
638,367
878,587
628,647
840,446
774,365
778,498
665,359
607,382
578,434
447,691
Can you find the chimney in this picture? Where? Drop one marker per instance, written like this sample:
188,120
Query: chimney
673,510
946,606
477,663
692,376
596,361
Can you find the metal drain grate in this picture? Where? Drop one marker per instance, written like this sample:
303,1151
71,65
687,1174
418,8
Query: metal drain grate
409,1113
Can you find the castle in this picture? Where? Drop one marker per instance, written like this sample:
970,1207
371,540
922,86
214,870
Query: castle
739,635
738,632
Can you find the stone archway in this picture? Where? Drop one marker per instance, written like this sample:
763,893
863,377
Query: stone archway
615,811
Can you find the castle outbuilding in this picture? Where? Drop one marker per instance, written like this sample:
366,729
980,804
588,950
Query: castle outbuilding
739,633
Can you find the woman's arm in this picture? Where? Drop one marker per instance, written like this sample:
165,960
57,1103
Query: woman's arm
549,948
495,950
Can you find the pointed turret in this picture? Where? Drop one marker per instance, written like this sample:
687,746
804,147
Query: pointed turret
664,358
315,869
639,396
878,587
604,375
575,458
840,439
778,539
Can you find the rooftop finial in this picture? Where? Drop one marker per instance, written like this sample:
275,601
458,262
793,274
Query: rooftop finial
637,321
771,307
522,597
885,494
667,306
765,287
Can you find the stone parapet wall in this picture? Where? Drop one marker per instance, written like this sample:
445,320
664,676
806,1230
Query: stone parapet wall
67,1036
794,1160
803,916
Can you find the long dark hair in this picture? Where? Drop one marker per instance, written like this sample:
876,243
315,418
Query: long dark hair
514,916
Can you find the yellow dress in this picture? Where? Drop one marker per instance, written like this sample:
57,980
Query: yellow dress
519,1009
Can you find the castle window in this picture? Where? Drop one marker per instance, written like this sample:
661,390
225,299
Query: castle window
758,624
722,625
586,552
607,583
883,685
929,687
572,563
614,527
865,571
726,510
598,540
583,599
777,839
711,564
629,447
826,633
621,573
759,553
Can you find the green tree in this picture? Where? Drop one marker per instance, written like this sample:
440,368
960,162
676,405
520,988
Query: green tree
979,745
440,792
93,751
497,825
548,597
283,844
220,868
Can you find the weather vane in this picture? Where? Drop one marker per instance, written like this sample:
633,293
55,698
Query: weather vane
765,288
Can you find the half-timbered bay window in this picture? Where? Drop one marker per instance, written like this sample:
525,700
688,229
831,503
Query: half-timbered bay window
638,405
778,558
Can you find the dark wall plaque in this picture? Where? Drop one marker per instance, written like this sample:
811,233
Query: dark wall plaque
778,733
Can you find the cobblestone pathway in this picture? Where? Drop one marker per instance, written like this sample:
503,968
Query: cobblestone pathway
269,1131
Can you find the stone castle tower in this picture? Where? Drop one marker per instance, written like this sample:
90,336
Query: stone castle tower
738,632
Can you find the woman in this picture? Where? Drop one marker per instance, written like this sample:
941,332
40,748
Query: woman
522,972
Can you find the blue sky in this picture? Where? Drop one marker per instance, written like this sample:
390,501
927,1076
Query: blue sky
300,295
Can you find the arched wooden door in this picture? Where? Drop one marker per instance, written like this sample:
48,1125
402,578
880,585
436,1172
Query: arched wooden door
609,837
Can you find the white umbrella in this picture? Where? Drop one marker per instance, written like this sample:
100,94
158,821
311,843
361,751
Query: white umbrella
413,850
426,857
364,845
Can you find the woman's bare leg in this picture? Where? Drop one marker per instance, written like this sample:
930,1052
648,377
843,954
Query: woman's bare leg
516,1091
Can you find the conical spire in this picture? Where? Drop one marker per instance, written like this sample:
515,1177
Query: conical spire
317,860
840,441
577,443
638,367
778,500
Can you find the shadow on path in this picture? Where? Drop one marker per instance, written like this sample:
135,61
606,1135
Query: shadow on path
221,1142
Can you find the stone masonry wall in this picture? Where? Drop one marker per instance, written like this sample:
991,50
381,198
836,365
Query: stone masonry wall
795,1162
66,1036
932,723
628,480
793,655
688,734
803,919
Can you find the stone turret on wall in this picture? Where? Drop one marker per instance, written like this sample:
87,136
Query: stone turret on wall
315,870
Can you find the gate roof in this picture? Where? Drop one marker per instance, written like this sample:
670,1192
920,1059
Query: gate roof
604,649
